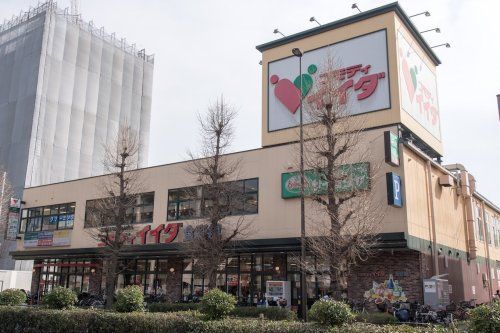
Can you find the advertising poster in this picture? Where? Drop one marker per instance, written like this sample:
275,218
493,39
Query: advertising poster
13,219
31,239
361,63
47,238
417,87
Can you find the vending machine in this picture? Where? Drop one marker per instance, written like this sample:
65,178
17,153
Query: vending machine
278,293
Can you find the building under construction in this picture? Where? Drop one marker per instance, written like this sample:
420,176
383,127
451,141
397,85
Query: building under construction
66,86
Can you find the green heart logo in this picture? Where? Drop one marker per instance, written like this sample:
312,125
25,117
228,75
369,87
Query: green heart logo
413,73
307,83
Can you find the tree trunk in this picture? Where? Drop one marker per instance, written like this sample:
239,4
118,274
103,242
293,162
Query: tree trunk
212,279
111,280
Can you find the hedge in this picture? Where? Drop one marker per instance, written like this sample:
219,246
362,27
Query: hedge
485,318
272,313
22,319
173,307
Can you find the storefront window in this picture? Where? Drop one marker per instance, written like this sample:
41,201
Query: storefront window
244,295
268,262
245,263
198,286
72,274
232,284
187,283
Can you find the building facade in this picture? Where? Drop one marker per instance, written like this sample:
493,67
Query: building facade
66,88
435,222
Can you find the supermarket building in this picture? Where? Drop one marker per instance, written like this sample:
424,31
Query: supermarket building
436,222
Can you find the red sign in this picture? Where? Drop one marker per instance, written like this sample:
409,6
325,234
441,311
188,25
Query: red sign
170,232
365,85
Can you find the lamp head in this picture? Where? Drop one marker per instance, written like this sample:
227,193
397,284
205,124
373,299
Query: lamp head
296,52
312,19
427,13
438,30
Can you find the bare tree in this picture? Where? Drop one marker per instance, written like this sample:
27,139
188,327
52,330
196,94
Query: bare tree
111,217
221,223
345,215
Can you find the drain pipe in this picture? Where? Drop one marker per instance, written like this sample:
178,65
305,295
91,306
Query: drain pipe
487,243
432,219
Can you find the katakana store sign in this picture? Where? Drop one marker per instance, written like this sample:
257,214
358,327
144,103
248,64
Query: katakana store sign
417,87
363,71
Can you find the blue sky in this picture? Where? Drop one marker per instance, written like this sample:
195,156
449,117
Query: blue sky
207,48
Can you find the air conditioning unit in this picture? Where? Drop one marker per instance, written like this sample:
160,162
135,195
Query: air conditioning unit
446,181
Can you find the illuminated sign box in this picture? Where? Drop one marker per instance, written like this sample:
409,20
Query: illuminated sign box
394,190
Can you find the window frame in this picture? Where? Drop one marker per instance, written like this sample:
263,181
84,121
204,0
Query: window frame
41,214
201,199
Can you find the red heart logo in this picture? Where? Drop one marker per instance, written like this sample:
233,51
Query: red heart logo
288,94
408,79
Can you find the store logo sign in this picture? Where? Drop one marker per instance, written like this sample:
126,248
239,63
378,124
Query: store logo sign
354,177
362,74
394,190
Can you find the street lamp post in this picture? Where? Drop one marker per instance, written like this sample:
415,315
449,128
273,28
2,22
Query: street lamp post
303,289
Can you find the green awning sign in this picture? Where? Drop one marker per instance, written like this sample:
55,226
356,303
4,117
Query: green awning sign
357,177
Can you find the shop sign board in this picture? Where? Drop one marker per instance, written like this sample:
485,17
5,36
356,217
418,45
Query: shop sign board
394,190
47,238
161,234
357,177
417,87
13,218
391,147
363,71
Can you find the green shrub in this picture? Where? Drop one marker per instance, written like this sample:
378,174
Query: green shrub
12,297
24,319
173,307
129,299
271,313
60,298
332,313
378,318
485,318
217,304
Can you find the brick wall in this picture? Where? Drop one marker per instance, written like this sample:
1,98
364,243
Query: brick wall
407,267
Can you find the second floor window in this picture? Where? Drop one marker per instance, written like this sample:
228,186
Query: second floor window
193,202
142,212
54,217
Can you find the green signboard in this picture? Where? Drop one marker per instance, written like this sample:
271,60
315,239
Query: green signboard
353,177
391,143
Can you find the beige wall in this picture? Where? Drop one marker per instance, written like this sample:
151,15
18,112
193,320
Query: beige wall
277,217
